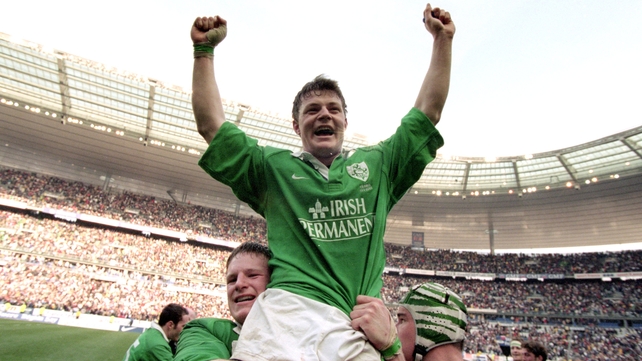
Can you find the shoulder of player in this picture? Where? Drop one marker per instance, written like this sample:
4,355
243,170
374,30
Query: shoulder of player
210,323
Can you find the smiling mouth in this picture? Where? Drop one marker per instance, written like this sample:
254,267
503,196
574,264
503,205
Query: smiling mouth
324,132
244,299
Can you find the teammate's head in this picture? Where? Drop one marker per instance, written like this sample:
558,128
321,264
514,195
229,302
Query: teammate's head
430,315
247,277
191,313
249,248
172,319
516,349
534,351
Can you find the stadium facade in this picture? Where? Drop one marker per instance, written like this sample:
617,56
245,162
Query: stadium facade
77,119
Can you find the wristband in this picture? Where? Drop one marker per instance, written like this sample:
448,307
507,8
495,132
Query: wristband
393,335
392,351
203,50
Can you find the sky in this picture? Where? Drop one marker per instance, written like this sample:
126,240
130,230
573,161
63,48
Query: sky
527,76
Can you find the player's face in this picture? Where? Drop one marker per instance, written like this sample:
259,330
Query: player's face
407,332
517,353
247,277
176,329
321,126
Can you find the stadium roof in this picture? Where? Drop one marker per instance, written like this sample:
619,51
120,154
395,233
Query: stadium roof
78,119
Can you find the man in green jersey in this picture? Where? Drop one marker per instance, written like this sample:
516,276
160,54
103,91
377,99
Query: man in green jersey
153,344
192,316
431,324
325,206
247,276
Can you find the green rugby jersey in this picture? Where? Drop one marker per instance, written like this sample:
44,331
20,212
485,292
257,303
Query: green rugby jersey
151,345
205,339
326,234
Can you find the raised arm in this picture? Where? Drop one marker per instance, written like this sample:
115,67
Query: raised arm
434,89
206,33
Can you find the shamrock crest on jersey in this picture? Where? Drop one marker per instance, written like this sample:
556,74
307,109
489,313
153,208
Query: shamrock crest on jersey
359,171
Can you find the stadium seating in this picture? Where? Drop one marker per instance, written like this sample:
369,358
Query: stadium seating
80,267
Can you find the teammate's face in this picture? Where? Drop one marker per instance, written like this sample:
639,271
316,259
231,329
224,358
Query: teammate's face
406,331
247,277
517,353
321,126
175,330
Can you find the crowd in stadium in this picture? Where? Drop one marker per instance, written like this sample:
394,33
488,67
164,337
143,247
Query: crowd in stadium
36,282
49,237
162,213
569,298
512,263
113,248
79,267
54,238
46,191
562,342
41,282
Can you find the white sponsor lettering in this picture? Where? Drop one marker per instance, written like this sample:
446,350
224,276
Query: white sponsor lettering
347,207
338,230
351,220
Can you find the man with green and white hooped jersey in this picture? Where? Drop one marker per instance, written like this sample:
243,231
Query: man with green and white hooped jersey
431,324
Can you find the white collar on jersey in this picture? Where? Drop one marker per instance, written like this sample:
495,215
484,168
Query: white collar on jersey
320,167
157,327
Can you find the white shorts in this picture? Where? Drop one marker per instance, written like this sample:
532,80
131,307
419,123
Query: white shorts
284,326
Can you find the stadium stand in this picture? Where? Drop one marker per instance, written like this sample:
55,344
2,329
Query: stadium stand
82,267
